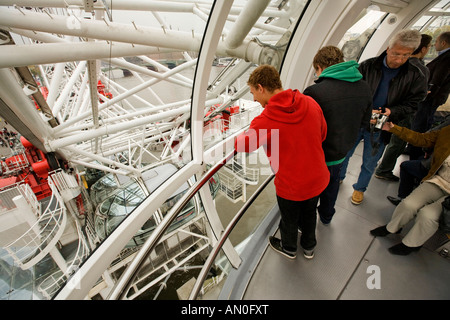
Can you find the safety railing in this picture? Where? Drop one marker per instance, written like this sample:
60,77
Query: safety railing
243,118
55,281
250,175
231,186
14,164
124,283
42,236
7,195
63,181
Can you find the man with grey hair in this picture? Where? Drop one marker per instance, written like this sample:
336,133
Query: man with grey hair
397,88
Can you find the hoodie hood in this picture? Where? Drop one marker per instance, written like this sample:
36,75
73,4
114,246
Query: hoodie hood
345,71
288,106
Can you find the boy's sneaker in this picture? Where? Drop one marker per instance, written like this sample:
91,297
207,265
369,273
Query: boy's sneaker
275,243
308,254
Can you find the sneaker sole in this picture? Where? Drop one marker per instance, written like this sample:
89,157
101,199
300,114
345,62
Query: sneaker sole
308,257
356,202
282,253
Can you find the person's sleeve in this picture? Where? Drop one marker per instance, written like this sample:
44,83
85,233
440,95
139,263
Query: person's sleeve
423,140
251,139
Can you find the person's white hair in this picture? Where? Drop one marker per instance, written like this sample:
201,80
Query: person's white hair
406,38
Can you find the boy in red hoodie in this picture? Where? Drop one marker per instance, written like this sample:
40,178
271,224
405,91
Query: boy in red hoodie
291,129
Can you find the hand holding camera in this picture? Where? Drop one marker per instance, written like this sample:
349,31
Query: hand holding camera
379,118
387,126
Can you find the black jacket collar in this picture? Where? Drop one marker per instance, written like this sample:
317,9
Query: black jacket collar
379,63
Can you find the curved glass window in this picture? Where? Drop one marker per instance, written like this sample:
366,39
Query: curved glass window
356,38
120,101
116,207
246,42
433,23
104,187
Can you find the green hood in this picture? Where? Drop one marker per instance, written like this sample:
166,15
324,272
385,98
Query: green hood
346,71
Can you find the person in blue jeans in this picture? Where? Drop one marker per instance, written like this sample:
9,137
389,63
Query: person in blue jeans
372,151
397,86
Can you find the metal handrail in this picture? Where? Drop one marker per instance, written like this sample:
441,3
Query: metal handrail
43,236
212,256
124,283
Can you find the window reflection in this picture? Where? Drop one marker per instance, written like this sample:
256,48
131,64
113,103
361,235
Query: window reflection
434,25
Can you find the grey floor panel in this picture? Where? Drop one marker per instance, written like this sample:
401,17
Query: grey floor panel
346,253
421,275
340,247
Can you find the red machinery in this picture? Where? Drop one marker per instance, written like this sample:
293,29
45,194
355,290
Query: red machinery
101,90
31,167
225,115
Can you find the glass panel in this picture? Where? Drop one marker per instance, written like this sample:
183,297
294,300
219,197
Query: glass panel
178,258
356,38
229,108
269,37
118,205
120,108
434,25
103,187
443,4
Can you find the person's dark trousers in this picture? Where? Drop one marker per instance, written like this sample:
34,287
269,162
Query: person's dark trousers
411,173
295,215
393,150
415,153
329,195
431,119
420,123
423,113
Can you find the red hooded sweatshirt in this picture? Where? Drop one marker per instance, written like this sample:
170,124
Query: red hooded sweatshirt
291,129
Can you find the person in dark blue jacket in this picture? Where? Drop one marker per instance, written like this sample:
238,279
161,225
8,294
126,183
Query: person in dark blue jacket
346,102
397,88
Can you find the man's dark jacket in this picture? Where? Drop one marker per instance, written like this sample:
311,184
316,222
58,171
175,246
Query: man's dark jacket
440,79
406,90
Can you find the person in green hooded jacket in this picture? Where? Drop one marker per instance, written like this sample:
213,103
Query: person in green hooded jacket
346,102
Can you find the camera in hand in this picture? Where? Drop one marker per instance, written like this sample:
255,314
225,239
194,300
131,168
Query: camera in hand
381,119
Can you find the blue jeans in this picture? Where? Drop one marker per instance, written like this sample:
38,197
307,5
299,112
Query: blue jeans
328,196
369,161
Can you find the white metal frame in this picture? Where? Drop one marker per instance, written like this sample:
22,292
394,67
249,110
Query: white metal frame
325,22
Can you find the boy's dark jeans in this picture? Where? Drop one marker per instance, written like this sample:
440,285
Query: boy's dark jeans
295,215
